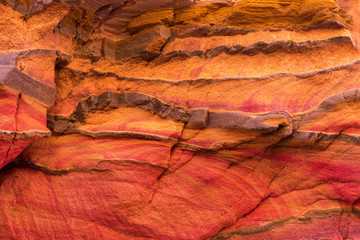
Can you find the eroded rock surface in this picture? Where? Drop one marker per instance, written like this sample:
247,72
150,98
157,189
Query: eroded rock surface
179,120
27,90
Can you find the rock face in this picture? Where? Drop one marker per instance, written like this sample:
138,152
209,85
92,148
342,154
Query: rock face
27,90
179,120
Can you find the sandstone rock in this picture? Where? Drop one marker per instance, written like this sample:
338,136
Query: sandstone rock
27,89
353,8
92,49
161,16
28,6
192,14
78,23
18,33
146,44
287,14
109,48
147,119
199,118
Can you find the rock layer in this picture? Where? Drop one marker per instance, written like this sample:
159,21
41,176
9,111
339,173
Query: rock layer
179,120
27,90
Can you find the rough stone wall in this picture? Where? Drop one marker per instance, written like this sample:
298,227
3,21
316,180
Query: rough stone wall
179,119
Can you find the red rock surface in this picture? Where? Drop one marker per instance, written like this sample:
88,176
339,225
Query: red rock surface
179,120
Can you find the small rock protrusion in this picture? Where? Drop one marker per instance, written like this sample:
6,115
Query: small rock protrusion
179,114
121,98
108,100
78,23
146,44
81,110
165,110
137,98
198,118
216,51
92,102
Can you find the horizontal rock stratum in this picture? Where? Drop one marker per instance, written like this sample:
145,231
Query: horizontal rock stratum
159,119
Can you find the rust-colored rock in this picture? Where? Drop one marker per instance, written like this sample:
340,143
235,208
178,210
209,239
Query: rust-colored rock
146,44
77,24
162,16
27,90
144,119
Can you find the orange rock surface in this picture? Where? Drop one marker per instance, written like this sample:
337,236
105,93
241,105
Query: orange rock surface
159,119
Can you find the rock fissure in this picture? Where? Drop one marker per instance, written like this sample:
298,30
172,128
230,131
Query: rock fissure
179,119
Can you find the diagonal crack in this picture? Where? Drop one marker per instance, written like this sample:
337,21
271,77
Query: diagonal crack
334,139
154,186
218,234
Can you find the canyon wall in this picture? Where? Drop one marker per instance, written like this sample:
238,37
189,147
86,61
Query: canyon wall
159,119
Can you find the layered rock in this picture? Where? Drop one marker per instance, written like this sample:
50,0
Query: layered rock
353,7
180,120
27,90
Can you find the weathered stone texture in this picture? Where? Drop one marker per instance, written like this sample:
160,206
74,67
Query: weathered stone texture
161,119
